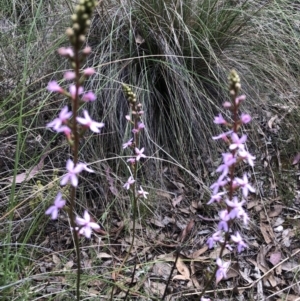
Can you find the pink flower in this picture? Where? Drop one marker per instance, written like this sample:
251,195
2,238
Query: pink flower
219,119
241,245
226,104
63,117
128,143
238,143
89,71
72,91
66,51
246,156
131,160
222,136
86,225
87,50
59,203
222,270
129,182
139,153
245,118
88,122
73,171
53,86
245,185
66,130
143,192
239,99
89,96
69,75
228,160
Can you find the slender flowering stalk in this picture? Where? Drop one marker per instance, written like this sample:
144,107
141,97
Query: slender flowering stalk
137,154
230,192
73,126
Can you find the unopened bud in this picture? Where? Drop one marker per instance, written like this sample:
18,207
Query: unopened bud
76,26
81,38
69,32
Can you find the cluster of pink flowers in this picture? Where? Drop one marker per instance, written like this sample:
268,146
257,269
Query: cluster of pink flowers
138,126
64,123
229,191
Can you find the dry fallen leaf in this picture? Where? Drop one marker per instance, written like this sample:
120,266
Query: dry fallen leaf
186,231
177,200
276,211
183,270
199,252
26,176
267,232
103,255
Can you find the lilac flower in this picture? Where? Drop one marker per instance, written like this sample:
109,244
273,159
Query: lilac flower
241,245
245,118
205,299
216,186
89,96
140,127
143,192
225,217
73,171
72,91
222,270
244,184
219,119
216,197
53,86
238,143
88,122
217,236
129,182
246,157
128,143
59,203
139,153
63,117
237,210
87,225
